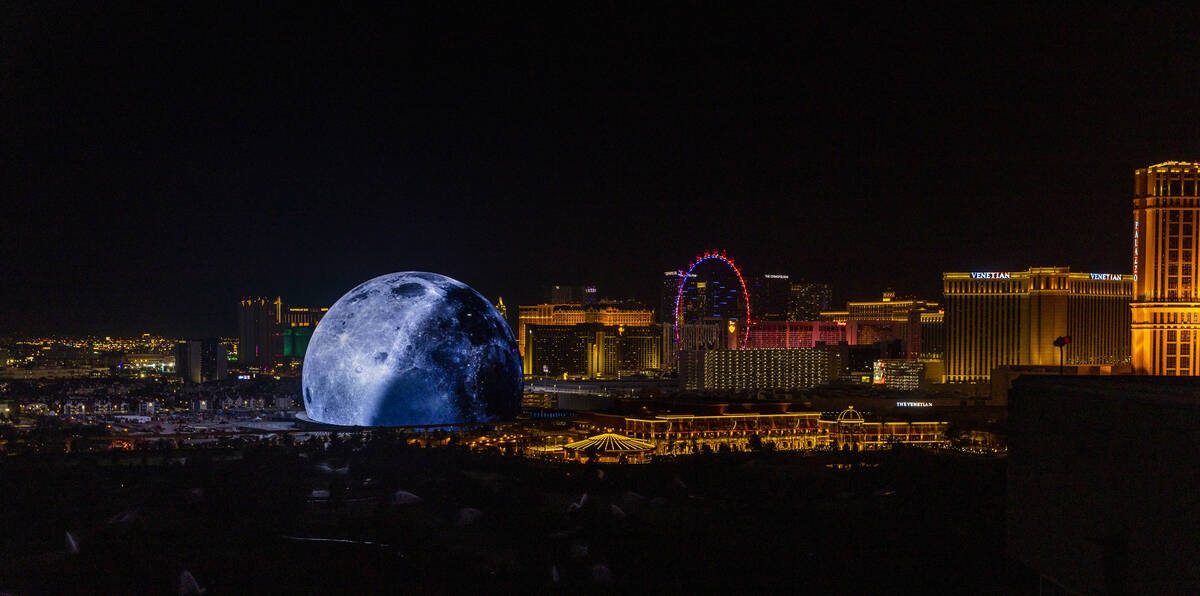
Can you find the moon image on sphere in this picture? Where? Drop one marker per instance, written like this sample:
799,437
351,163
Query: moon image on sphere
411,348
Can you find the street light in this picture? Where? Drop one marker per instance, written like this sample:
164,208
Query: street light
1060,343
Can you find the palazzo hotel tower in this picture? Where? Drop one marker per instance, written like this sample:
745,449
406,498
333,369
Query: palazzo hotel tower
1166,300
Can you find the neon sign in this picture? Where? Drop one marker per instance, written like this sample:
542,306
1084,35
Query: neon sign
773,276
1135,248
914,404
990,275
1106,276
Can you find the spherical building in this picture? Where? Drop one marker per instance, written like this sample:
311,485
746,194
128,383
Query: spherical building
411,348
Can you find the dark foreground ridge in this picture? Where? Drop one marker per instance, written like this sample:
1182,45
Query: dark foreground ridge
377,514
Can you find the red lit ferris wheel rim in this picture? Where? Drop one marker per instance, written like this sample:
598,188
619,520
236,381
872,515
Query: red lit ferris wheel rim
720,256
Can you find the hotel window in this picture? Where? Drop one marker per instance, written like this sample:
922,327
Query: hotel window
1178,347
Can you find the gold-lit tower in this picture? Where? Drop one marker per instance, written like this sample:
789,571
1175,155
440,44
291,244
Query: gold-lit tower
1165,317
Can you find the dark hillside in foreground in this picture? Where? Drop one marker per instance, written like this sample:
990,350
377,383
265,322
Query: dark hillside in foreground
886,522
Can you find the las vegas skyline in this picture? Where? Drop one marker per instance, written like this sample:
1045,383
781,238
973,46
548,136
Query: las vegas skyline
160,166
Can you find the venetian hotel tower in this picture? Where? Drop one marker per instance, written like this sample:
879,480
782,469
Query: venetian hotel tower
1165,316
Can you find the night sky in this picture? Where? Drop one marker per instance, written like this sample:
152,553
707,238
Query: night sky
159,165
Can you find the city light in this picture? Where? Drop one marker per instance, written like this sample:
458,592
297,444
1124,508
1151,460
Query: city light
719,256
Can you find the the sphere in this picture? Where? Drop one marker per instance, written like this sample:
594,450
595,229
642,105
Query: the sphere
411,348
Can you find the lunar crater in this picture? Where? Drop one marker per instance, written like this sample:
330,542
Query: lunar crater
411,348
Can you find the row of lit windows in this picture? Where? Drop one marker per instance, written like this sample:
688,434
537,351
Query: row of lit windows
1179,252
1101,288
1174,202
983,287
971,287
1178,349
1175,317
1176,187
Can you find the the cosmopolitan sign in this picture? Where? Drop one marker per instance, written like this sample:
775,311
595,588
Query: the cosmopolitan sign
990,275
1106,276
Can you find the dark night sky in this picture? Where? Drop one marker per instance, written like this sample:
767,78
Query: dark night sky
157,166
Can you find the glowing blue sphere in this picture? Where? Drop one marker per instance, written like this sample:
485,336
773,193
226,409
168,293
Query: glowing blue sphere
411,348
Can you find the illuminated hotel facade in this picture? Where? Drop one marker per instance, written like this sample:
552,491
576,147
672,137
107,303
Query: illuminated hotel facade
760,368
258,321
808,300
674,434
1166,302
575,314
592,350
1012,318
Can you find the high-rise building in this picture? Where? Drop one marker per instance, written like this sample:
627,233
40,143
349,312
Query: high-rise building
573,314
1002,318
931,339
259,341
770,295
888,308
903,375
301,317
917,324
670,289
269,333
1165,325
296,329
760,368
639,348
807,301
719,298
201,360
691,369
712,293
555,350
591,350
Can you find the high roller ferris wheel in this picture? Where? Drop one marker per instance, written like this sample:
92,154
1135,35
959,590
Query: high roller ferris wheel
710,256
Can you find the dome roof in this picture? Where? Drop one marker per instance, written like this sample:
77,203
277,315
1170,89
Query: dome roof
611,442
850,415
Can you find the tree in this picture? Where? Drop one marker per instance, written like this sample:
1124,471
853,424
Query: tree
755,443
